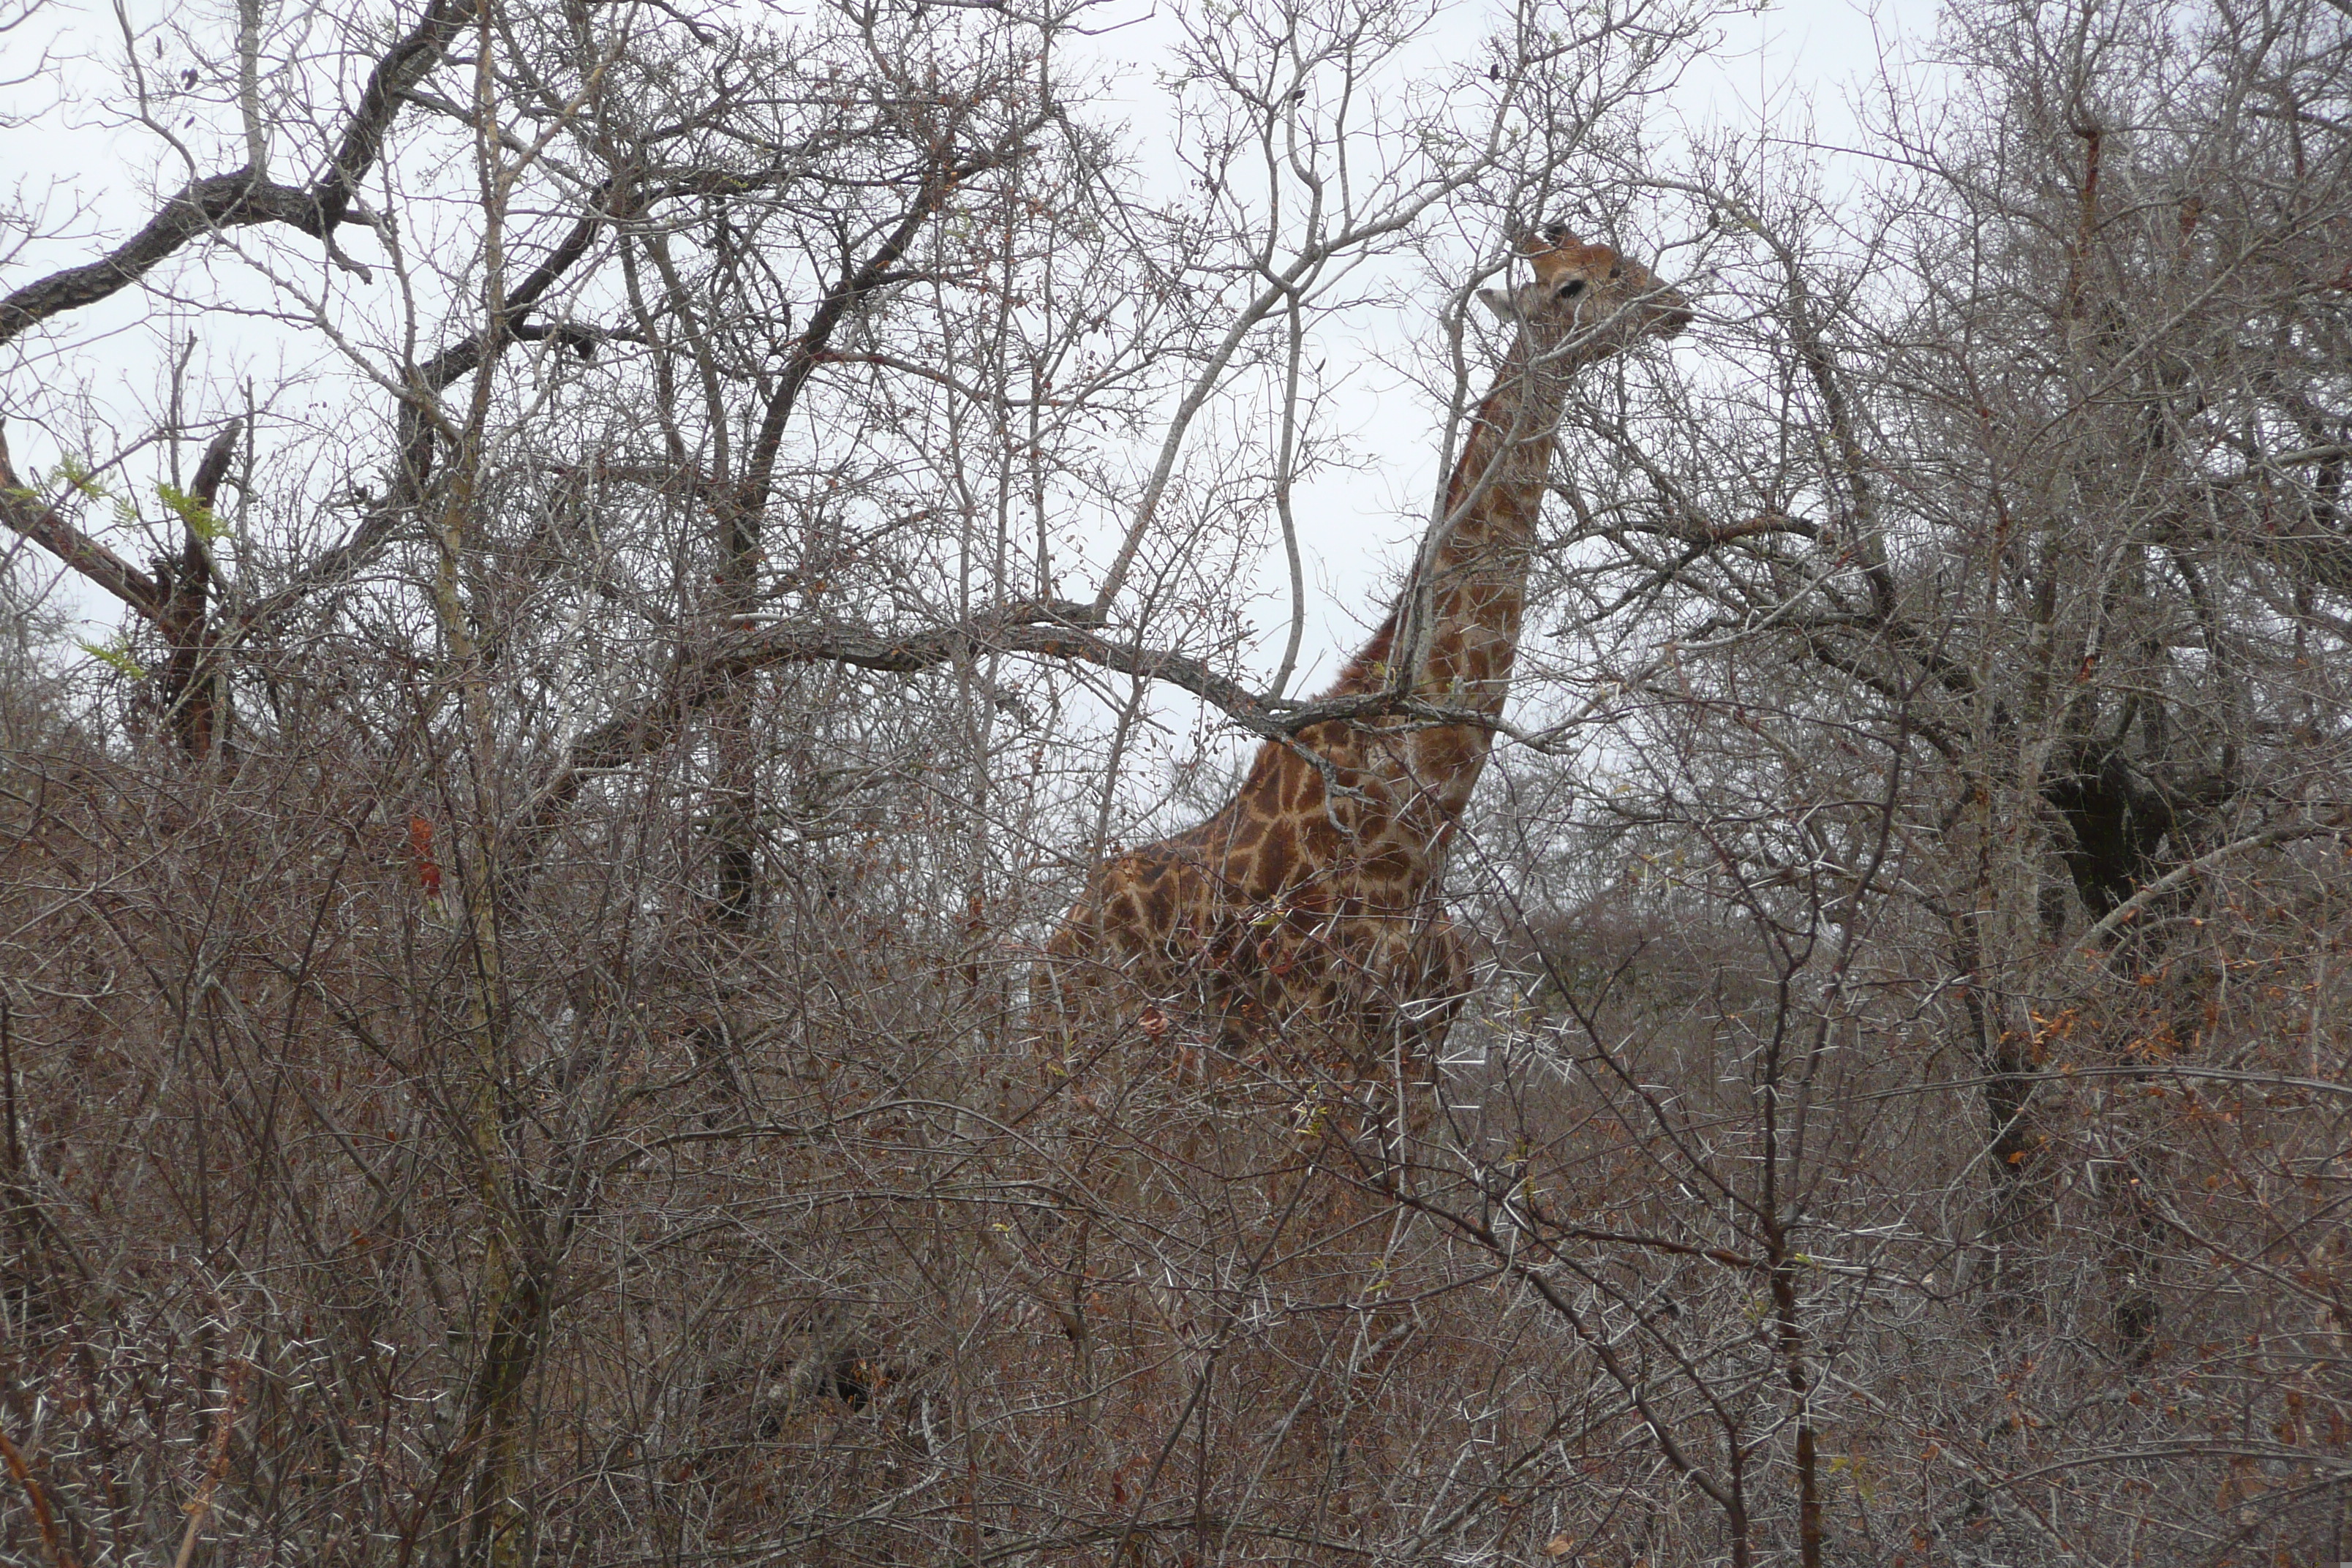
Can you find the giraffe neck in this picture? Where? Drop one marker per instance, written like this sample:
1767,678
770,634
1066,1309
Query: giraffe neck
1469,587
1407,782
1457,620
1469,590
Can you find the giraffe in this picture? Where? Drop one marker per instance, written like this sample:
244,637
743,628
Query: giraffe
1305,919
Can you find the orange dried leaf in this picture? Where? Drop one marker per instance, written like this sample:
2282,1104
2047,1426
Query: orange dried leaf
420,847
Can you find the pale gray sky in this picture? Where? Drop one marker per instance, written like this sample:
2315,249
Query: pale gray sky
1786,71
1790,75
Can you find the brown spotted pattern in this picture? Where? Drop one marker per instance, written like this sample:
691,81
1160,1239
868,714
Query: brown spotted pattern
1304,923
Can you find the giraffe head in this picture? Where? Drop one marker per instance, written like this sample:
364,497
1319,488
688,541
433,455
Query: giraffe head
1586,298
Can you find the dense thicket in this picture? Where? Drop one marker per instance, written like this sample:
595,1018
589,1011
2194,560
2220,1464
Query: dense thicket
653,548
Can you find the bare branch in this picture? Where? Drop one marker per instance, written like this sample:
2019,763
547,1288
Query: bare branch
245,197
2181,876
22,509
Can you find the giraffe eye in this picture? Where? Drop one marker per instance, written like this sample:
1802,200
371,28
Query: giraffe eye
1571,289
1616,270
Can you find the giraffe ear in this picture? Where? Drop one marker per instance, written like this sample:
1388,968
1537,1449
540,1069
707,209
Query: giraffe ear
1495,299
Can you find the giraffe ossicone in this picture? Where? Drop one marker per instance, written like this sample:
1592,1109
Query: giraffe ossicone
1305,922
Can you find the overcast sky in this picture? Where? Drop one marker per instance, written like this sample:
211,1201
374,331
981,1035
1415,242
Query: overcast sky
1790,74
1788,71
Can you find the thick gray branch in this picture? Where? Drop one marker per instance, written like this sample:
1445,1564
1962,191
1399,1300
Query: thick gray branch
243,197
1054,630
2181,876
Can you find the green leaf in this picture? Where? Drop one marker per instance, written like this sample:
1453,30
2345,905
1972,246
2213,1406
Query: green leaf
192,511
77,473
116,657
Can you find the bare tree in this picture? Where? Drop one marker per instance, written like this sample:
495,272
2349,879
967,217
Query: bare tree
1987,591
512,1027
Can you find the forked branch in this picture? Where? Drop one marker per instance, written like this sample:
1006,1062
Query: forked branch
242,197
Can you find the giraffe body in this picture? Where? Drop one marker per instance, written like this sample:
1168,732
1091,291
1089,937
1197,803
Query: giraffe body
1305,918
